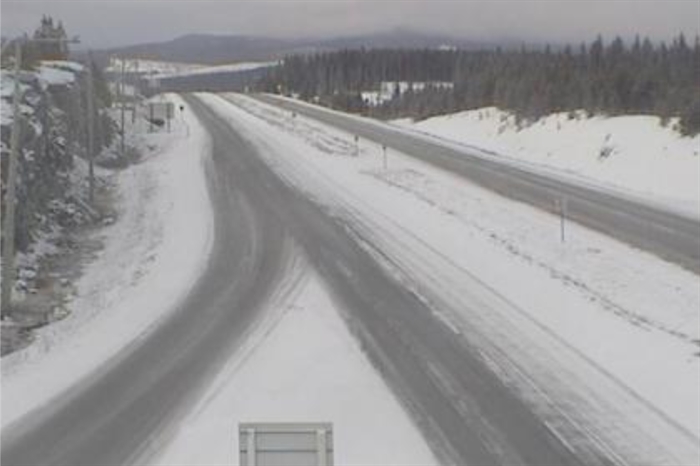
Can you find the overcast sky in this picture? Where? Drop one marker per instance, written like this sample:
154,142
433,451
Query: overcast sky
102,23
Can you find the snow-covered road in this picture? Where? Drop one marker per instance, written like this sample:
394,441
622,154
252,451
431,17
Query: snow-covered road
482,339
300,364
464,410
668,233
124,403
591,328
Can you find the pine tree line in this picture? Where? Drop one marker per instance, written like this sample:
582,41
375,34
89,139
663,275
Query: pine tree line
614,78
53,134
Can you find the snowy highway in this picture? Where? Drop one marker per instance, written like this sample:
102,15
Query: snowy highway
494,386
427,365
353,233
113,415
670,236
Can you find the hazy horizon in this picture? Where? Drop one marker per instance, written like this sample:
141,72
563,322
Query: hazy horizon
129,22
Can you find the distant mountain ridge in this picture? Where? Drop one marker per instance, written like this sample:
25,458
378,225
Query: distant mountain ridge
212,49
207,49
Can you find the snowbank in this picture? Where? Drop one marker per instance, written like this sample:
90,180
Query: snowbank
634,153
152,255
54,76
133,65
7,91
153,69
64,65
58,72
390,89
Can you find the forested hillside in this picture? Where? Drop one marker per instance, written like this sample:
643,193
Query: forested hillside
602,78
53,118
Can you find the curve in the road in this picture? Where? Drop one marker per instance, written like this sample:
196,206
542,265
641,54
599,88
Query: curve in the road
465,411
112,417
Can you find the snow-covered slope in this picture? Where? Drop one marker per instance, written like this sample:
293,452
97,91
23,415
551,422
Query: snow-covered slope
59,72
229,68
633,153
154,69
138,65
51,192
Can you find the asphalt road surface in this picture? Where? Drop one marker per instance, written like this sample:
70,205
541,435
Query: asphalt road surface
465,412
115,415
669,235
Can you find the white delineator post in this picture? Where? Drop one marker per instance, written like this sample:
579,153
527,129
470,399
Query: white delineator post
561,207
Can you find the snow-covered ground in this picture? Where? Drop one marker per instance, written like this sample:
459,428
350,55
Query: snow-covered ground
228,68
152,256
48,73
139,65
592,323
58,72
64,65
154,69
320,377
590,329
634,153
35,102
390,89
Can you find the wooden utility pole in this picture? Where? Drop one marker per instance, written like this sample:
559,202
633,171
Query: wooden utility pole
91,128
122,148
8,233
135,82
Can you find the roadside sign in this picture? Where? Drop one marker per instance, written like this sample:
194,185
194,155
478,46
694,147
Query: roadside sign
272,444
160,113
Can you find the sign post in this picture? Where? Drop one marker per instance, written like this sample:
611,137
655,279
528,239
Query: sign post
561,207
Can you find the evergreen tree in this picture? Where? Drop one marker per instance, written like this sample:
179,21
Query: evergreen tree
51,41
598,78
